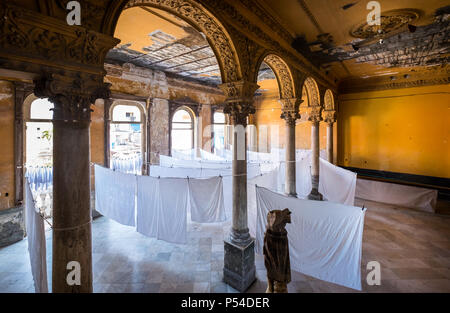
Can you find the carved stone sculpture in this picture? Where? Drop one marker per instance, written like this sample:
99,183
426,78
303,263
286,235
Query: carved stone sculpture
276,251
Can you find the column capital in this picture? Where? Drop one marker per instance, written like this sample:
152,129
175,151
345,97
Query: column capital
314,113
329,116
72,95
239,102
290,109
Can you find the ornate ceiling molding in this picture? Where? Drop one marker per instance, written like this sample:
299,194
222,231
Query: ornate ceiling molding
437,75
390,21
235,19
216,34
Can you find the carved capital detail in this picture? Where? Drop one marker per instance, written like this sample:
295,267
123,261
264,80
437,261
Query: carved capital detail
239,102
290,109
72,96
329,116
50,41
314,113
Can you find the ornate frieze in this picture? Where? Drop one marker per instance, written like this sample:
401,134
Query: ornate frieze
24,35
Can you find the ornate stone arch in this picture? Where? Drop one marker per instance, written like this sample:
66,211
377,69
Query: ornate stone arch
282,73
312,91
329,101
198,17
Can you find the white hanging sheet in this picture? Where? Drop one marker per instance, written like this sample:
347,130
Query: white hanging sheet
401,195
172,217
173,162
115,195
337,184
267,180
36,242
303,183
148,205
325,238
206,200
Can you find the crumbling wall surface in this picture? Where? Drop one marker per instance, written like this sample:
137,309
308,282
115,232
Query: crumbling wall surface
7,145
11,217
159,129
130,79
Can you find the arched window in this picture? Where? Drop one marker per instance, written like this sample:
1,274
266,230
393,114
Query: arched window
182,130
39,152
39,134
126,140
219,131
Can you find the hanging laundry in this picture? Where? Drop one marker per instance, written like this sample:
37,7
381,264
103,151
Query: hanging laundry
115,195
36,242
325,238
206,200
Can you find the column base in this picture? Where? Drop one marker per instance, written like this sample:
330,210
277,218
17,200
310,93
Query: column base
239,269
315,195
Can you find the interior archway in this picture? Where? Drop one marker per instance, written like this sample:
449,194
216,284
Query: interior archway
200,19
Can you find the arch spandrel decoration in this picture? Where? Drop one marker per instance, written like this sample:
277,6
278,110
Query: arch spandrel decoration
204,21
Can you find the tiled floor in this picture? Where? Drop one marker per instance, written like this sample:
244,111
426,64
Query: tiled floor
412,247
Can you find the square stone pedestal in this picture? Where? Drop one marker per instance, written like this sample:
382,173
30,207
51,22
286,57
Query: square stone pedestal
239,265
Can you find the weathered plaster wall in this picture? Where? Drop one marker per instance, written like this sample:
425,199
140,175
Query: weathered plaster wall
159,129
206,127
11,218
130,79
399,130
7,145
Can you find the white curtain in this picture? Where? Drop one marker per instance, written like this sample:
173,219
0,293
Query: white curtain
36,242
206,200
148,205
115,195
337,184
172,218
325,238
401,195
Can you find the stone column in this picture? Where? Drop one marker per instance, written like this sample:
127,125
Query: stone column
72,242
239,260
315,118
107,122
290,114
329,117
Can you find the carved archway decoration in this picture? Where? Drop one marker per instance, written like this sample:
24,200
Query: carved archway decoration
205,22
329,101
283,75
312,91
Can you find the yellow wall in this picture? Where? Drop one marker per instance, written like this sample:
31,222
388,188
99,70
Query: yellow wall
399,130
268,111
